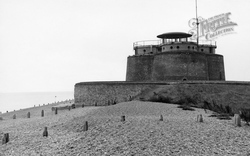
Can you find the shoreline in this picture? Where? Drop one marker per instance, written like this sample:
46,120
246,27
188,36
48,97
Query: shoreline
23,100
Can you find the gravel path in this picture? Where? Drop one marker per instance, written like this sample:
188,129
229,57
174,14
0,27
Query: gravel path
141,134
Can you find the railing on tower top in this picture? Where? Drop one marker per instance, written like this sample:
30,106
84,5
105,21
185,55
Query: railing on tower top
146,43
207,42
159,42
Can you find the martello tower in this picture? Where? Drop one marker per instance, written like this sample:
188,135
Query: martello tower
174,58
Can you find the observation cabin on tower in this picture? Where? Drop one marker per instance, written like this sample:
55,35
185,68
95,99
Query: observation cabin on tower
173,57
173,41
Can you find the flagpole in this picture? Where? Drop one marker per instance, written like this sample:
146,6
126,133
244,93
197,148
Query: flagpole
197,23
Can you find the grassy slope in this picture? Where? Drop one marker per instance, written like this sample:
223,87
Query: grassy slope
225,95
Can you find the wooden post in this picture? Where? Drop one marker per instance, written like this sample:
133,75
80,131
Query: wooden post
123,118
28,115
130,98
14,116
56,111
45,132
205,110
42,113
199,118
85,126
5,138
237,120
161,118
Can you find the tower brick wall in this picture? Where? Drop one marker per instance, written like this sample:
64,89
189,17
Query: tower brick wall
139,68
177,66
215,67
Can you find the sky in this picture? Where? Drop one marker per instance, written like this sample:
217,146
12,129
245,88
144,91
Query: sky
50,45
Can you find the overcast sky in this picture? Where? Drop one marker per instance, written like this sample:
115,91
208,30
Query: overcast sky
49,45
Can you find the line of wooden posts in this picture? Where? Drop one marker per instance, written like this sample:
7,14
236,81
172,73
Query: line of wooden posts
42,112
236,122
56,111
45,132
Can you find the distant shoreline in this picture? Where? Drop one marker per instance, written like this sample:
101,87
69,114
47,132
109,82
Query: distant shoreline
21,100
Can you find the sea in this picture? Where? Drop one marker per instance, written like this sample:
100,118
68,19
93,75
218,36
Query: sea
16,101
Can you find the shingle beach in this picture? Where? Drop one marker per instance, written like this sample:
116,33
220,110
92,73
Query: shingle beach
142,133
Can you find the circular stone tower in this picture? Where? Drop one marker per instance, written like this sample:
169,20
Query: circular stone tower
174,58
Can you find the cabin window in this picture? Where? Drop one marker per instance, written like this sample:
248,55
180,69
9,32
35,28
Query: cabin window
183,39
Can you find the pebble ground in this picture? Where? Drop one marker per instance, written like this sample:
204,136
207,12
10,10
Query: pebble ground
142,133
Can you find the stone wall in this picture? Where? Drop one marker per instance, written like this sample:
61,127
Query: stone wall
235,94
105,93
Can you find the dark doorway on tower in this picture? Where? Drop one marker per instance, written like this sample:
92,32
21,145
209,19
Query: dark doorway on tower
184,79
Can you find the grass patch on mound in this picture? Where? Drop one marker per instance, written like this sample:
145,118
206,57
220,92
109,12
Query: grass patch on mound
185,103
159,98
186,107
